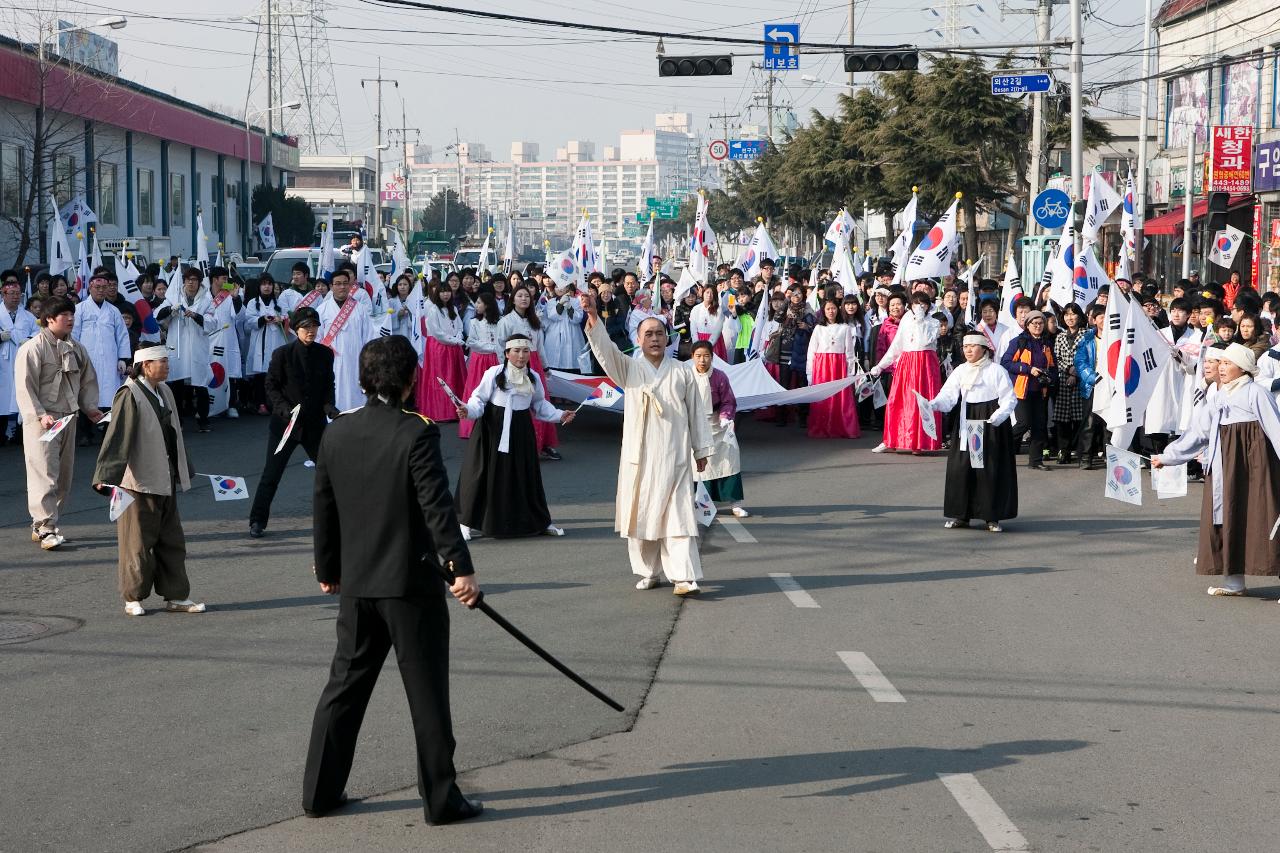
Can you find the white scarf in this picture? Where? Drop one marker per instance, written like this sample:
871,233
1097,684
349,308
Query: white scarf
969,372
518,381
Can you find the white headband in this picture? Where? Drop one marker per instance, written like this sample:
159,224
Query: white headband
150,354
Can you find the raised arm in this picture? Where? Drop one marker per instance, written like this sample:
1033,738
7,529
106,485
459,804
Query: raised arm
618,367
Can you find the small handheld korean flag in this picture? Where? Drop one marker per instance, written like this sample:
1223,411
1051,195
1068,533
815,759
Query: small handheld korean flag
267,232
1124,476
1169,481
58,426
1225,246
704,508
927,418
602,396
228,488
974,440
288,430
120,500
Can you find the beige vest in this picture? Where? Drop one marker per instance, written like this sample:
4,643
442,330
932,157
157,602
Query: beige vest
148,467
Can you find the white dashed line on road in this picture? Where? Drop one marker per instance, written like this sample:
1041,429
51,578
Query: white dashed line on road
986,814
870,677
739,533
792,589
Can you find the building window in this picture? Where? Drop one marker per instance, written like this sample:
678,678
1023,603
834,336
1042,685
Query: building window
106,193
11,179
177,199
146,197
64,177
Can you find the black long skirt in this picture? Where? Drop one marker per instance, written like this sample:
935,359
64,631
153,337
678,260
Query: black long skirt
500,494
989,493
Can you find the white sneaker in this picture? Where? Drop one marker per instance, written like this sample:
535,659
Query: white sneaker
50,540
647,583
690,588
552,530
186,605
880,448
739,512
233,413
466,532
134,608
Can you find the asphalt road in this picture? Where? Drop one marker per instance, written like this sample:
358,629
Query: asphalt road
1066,685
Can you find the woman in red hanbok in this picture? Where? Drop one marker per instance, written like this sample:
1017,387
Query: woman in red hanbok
832,356
913,357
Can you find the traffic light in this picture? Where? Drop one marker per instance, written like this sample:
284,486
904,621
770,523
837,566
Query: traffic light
882,60
1217,220
694,66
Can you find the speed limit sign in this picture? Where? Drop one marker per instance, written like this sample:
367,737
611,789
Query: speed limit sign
719,149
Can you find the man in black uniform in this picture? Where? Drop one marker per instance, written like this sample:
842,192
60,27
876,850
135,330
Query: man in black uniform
300,374
382,502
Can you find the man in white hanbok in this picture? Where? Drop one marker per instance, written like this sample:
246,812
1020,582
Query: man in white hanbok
100,329
17,326
664,421
190,370
346,342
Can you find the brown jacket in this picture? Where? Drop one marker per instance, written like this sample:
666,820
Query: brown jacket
54,377
134,454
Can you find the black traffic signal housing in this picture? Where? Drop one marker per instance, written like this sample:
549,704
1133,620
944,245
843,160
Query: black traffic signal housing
1217,210
883,60
695,66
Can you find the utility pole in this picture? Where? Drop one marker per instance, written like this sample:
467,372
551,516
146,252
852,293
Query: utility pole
724,118
378,143
403,131
271,99
1043,13
1077,105
769,99
1140,202
852,4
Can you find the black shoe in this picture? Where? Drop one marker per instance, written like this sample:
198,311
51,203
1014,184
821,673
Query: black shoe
551,453
465,810
203,428
342,801
1039,467
255,530
1086,465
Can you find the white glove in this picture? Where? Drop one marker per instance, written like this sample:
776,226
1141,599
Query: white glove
875,372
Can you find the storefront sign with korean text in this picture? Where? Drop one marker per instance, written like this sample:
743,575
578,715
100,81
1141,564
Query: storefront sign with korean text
1231,159
1266,167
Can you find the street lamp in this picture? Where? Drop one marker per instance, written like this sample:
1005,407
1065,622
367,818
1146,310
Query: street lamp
248,154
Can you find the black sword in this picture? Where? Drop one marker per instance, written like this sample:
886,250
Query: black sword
483,606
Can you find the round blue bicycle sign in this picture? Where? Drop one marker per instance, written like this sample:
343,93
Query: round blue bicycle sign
1051,208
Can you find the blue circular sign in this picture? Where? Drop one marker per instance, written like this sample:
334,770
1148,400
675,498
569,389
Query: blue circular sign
1051,208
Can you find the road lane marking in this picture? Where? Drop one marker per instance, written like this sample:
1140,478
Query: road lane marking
870,677
792,589
739,533
985,813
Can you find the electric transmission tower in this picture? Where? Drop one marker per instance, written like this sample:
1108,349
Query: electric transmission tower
292,63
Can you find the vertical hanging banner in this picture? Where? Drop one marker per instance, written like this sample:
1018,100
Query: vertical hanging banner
1231,159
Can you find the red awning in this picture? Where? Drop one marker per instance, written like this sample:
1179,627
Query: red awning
1171,222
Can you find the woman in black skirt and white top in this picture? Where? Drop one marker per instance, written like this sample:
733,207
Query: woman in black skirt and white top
500,488
982,479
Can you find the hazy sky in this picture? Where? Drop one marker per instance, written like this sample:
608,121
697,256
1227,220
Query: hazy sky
497,82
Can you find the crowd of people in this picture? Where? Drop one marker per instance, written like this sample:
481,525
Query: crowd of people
1031,370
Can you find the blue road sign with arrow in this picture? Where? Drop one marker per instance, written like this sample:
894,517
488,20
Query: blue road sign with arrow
1018,84
779,51
746,149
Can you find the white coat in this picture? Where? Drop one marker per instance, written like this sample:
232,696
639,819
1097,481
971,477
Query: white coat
264,338
562,332
355,333
664,420
100,329
14,332
187,341
222,325
513,324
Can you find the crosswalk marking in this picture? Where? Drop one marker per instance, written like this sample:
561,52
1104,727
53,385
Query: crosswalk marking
792,590
736,529
870,677
986,814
